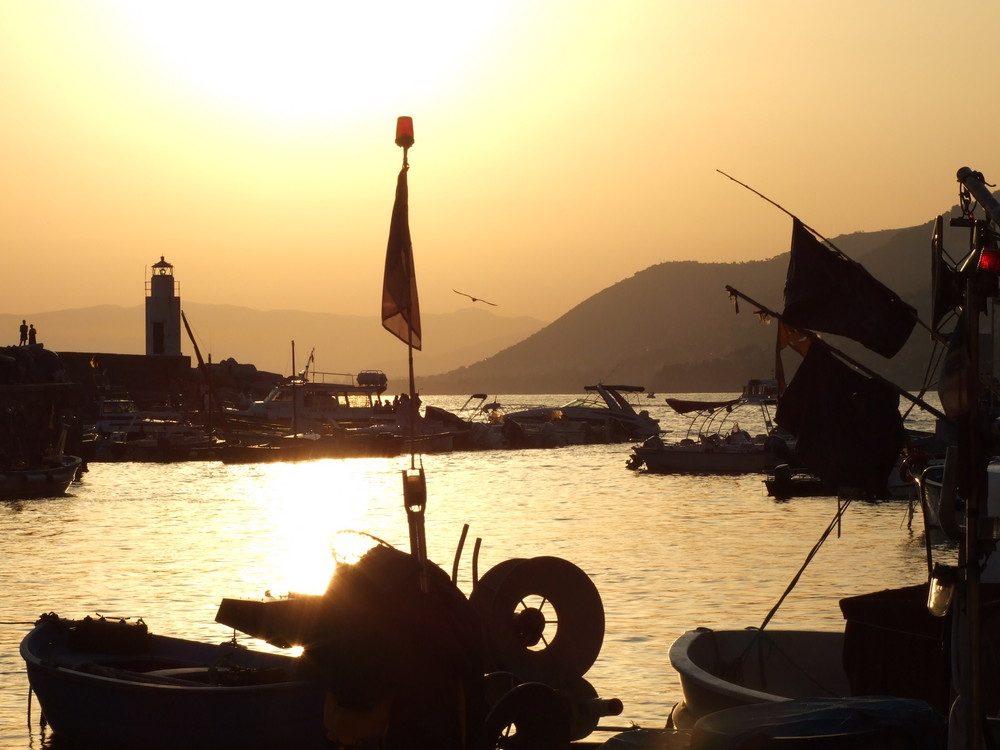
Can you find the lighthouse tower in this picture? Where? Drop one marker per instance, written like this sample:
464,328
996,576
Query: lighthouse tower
163,311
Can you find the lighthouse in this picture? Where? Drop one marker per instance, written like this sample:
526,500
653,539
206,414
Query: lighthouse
163,311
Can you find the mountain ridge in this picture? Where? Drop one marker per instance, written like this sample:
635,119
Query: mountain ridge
669,327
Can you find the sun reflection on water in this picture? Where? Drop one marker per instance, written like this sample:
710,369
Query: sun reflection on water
309,508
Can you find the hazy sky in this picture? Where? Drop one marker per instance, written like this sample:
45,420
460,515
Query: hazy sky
561,145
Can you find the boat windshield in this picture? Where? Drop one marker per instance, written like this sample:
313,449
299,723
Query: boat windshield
584,402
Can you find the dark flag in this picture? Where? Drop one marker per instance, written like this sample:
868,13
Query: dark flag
400,308
848,428
825,291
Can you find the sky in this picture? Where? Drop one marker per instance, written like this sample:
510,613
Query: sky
560,145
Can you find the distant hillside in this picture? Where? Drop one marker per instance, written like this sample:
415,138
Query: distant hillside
672,328
342,343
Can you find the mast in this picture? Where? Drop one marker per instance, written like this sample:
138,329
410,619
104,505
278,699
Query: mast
973,445
213,396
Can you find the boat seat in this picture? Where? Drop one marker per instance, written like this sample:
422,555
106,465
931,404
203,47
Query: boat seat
196,674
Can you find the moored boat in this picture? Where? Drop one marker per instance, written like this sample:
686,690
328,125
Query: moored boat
315,399
51,476
718,440
607,414
115,684
890,646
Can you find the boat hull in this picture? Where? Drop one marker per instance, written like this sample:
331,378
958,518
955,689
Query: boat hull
160,694
890,645
721,669
697,459
45,481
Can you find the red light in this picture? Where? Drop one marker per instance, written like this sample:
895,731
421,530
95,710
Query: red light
989,260
404,131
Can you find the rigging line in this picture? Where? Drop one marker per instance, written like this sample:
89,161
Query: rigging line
835,523
845,357
840,252
782,208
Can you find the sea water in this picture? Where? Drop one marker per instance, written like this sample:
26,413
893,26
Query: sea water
166,542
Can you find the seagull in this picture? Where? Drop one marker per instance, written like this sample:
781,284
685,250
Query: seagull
474,299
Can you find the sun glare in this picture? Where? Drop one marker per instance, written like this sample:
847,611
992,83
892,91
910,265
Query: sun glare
308,59
311,505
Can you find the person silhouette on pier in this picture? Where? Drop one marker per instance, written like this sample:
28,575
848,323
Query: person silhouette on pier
24,334
32,335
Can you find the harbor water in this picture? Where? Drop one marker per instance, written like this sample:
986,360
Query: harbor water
668,553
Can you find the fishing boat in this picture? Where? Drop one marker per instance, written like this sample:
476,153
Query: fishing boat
719,438
52,475
606,414
930,649
113,683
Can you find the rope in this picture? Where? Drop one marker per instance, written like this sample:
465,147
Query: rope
834,524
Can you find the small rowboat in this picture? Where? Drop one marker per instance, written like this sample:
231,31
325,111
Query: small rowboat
53,477
113,683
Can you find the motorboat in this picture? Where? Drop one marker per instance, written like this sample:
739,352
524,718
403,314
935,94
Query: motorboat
50,476
477,425
606,414
113,683
123,432
719,438
313,400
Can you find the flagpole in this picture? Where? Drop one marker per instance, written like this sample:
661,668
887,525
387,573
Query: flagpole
400,306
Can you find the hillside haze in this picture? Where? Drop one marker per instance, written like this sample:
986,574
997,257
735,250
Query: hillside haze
671,328
342,343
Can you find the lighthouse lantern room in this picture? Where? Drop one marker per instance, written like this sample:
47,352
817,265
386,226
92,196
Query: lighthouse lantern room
163,311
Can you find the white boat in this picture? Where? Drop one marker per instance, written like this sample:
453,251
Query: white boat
319,399
607,414
719,440
477,425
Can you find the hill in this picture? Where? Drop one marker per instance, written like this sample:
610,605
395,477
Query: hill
670,327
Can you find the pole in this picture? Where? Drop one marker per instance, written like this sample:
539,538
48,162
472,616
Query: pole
213,397
972,466
414,481
848,359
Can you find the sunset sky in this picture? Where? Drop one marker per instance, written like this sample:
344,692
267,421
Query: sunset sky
561,145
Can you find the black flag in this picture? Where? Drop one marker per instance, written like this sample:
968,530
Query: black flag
400,308
825,291
848,428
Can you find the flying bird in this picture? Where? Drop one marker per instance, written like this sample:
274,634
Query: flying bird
474,299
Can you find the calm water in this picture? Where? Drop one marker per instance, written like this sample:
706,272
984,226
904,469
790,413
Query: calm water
166,542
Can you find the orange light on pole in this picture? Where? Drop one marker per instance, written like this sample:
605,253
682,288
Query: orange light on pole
404,132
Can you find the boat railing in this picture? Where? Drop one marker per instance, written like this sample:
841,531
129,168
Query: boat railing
371,378
333,378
